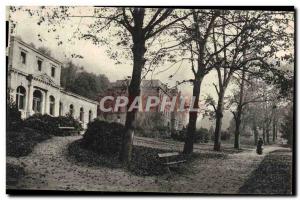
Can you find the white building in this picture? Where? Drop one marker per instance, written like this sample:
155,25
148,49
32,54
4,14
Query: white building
33,80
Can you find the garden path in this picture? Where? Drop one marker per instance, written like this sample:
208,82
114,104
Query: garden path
47,168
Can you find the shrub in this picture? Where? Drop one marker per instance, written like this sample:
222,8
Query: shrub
156,132
178,135
225,135
50,125
163,131
201,135
103,137
13,120
40,123
21,143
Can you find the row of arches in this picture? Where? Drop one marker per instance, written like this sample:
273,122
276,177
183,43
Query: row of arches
81,112
37,104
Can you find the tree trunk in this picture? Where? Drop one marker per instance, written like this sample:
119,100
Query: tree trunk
237,133
255,133
268,135
193,115
239,113
133,91
219,116
264,134
274,129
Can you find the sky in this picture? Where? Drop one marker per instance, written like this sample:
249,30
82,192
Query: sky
95,58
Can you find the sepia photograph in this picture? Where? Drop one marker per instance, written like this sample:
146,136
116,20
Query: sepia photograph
150,100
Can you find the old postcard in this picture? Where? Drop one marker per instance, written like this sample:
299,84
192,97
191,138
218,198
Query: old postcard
165,100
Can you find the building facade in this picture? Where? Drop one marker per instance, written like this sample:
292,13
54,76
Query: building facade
33,81
172,119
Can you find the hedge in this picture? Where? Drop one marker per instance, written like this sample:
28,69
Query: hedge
103,137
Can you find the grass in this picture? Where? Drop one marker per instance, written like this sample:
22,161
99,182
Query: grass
21,143
13,174
144,159
273,176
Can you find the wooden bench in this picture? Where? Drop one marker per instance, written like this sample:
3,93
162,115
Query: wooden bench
170,159
69,130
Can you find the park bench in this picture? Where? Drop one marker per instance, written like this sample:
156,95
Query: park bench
170,159
68,130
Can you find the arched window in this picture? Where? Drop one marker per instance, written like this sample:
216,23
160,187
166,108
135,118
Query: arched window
20,97
90,115
81,116
37,101
60,108
71,111
52,105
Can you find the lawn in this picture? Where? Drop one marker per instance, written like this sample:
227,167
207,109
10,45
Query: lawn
21,143
145,160
13,173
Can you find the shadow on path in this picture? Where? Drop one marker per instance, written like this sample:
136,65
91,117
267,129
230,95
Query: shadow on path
273,175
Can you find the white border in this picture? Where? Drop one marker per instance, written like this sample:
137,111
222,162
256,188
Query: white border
112,3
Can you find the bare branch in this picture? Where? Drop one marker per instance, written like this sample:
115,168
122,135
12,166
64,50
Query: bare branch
216,87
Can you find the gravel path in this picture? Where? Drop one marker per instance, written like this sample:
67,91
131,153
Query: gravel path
47,168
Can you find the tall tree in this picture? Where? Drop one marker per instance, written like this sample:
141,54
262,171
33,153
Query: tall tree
258,44
142,27
256,103
196,43
230,59
228,62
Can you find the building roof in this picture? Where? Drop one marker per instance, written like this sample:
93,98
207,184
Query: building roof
36,50
78,96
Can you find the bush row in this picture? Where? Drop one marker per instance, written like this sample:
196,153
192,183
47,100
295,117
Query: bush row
201,135
23,135
157,132
50,125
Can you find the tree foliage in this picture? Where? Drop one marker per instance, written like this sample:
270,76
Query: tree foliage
75,79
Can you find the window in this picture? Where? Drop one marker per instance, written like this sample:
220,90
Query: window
20,97
39,63
71,110
53,72
90,116
23,57
81,116
37,101
60,108
52,105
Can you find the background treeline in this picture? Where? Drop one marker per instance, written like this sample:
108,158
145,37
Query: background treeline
76,79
